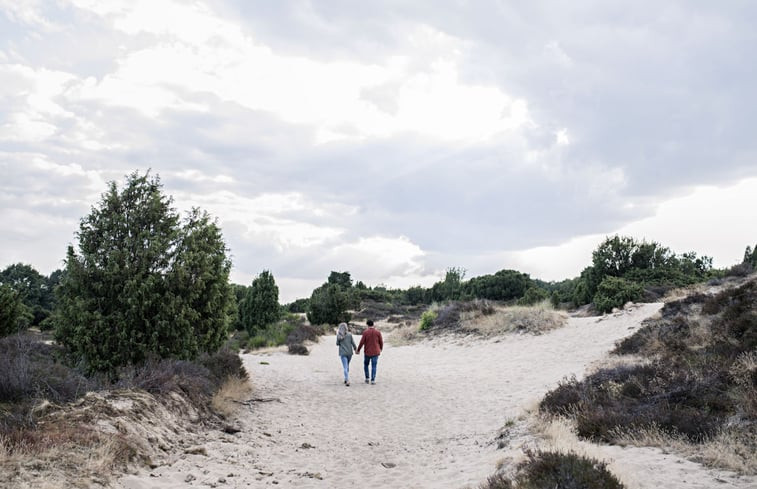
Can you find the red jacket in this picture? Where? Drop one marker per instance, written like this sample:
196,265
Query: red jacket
372,341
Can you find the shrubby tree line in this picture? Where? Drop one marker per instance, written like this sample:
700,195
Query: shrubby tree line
145,281
27,298
623,269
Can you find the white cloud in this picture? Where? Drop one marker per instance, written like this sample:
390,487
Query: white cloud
27,12
198,51
29,95
284,221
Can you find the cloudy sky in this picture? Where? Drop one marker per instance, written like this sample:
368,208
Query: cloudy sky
391,139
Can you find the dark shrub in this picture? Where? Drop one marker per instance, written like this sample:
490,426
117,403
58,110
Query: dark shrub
683,306
303,332
565,471
643,396
563,399
740,270
31,370
552,470
222,365
162,377
298,349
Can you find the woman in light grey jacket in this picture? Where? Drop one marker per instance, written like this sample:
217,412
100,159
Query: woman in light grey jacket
347,346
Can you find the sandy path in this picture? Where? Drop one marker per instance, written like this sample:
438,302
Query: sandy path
430,421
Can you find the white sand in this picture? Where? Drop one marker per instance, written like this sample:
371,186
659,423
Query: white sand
430,421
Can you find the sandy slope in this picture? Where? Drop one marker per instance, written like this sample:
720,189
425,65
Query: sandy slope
430,421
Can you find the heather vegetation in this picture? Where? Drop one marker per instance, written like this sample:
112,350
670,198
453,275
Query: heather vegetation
547,469
697,384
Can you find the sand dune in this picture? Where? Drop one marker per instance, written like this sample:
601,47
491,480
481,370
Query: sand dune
430,422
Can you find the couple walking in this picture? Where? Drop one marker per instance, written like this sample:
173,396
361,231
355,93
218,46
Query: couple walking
371,340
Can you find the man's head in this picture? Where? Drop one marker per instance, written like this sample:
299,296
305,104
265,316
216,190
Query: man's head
370,323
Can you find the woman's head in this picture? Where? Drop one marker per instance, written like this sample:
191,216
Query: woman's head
342,330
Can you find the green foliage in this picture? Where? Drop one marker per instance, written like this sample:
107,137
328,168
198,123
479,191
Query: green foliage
427,319
615,292
143,282
565,470
533,295
451,288
750,256
240,292
342,279
329,304
260,307
417,295
35,290
11,311
276,334
298,305
645,264
504,285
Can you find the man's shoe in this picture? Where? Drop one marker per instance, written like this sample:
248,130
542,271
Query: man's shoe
366,381
373,382
347,383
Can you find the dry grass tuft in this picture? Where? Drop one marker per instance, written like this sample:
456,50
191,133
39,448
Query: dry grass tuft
535,319
732,448
482,318
62,455
234,389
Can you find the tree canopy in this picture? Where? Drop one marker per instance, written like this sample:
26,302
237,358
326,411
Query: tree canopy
143,282
260,306
330,302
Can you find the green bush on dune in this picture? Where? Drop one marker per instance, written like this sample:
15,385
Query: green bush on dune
546,469
143,282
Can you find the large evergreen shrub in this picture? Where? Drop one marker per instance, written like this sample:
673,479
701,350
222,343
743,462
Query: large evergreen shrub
143,282
11,310
329,304
260,307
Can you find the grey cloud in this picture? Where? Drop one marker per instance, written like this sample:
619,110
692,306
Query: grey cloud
659,92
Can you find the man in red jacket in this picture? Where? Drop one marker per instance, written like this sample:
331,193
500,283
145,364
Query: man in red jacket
373,343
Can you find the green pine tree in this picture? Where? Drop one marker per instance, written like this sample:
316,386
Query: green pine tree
260,306
142,283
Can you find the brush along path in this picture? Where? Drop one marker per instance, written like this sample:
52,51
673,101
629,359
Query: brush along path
431,421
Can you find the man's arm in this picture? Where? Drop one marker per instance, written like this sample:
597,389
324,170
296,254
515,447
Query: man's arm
362,341
380,340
